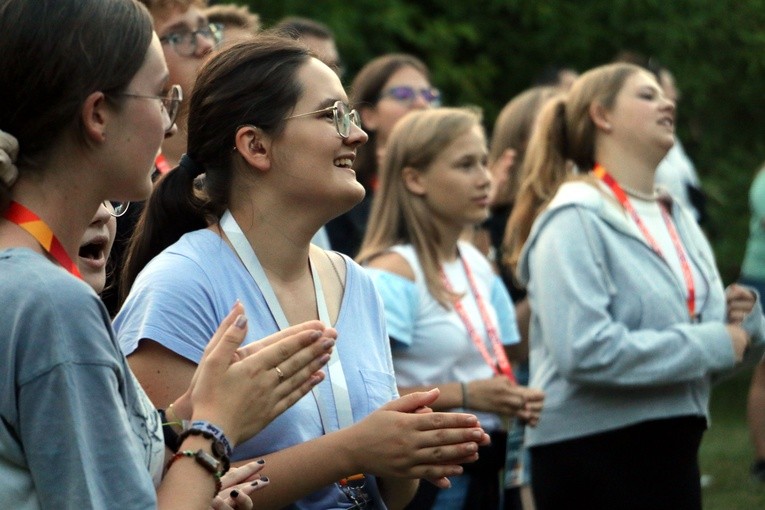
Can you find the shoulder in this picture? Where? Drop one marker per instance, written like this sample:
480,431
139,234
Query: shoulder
393,262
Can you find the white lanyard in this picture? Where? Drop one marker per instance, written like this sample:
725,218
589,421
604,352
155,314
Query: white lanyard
338,385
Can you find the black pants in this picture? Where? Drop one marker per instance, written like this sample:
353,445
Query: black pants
651,465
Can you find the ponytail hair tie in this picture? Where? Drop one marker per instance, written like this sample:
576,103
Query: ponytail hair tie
9,151
190,166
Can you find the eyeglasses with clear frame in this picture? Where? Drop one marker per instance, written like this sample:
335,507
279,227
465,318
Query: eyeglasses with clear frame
185,42
116,209
171,103
406,94
343,117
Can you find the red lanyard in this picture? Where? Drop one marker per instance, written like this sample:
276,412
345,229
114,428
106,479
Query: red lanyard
621,196
501,365
161,163
40,230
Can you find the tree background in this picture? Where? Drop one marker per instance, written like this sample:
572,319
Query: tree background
483,52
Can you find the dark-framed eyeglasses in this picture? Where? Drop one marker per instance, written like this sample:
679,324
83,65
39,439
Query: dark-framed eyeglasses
343,117
171,103
406,94
116,209
184,42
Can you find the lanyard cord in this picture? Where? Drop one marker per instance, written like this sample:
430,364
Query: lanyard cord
501,366
338,384
601,173
42,233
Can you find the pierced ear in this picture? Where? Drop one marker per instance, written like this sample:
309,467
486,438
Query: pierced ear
369,117
254,145
600,116
95,116
414,181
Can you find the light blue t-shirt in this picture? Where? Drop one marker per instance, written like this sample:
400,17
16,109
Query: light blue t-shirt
431,343
183,294
75,430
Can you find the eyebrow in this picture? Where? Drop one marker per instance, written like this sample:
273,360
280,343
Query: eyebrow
201,21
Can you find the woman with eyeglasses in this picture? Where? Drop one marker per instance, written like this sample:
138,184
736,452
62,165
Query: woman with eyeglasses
449,316
271,129
77,431
384,90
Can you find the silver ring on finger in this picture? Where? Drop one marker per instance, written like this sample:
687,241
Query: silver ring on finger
279,373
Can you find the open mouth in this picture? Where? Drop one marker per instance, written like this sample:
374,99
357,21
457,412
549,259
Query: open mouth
93,251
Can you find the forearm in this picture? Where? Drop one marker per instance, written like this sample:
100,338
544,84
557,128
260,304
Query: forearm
187,485
397,492
299,470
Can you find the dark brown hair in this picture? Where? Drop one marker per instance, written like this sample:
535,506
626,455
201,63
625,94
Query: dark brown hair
253,82
55,54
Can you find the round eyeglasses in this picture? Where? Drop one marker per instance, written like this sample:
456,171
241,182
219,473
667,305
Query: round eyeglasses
406,94
342,115
185,42
171,103
116,209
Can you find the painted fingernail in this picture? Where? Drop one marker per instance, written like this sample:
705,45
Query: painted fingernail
264,479
261,461
324,358
241,321
315,335
328,343
254,484
234,494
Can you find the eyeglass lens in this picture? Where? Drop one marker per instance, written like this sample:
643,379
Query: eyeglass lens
344,118
116,209
185,42
405,93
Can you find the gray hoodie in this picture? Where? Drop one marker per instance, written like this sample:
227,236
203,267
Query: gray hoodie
611,341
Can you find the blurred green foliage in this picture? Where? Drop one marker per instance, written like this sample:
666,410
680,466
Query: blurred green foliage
483,52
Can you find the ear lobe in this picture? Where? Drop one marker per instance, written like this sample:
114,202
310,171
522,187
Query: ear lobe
600,116
254,146
95,116
414,181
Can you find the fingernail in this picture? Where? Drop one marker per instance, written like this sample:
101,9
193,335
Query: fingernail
264,479
254,484
324,358
241,321
234,494
261,461
315,335
328,343
315,380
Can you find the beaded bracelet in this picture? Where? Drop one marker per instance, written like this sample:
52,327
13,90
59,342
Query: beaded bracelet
218,449
205,460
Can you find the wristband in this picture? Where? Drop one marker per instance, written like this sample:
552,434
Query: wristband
206,426
204,459
218,450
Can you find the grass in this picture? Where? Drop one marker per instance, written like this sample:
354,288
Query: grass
726,451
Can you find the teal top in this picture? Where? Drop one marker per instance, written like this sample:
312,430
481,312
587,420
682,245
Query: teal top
754,258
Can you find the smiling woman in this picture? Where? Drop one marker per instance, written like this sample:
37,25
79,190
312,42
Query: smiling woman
271,130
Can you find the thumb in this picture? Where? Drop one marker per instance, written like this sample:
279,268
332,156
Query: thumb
223,352
413,401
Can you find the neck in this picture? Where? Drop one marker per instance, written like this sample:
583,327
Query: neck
447,248
282,252
58,200
635,175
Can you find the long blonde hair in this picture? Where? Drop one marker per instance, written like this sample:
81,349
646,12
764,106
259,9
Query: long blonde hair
512,130
564,133
399,216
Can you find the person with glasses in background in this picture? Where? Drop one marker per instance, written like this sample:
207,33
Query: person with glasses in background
384,90
271,128
317,36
